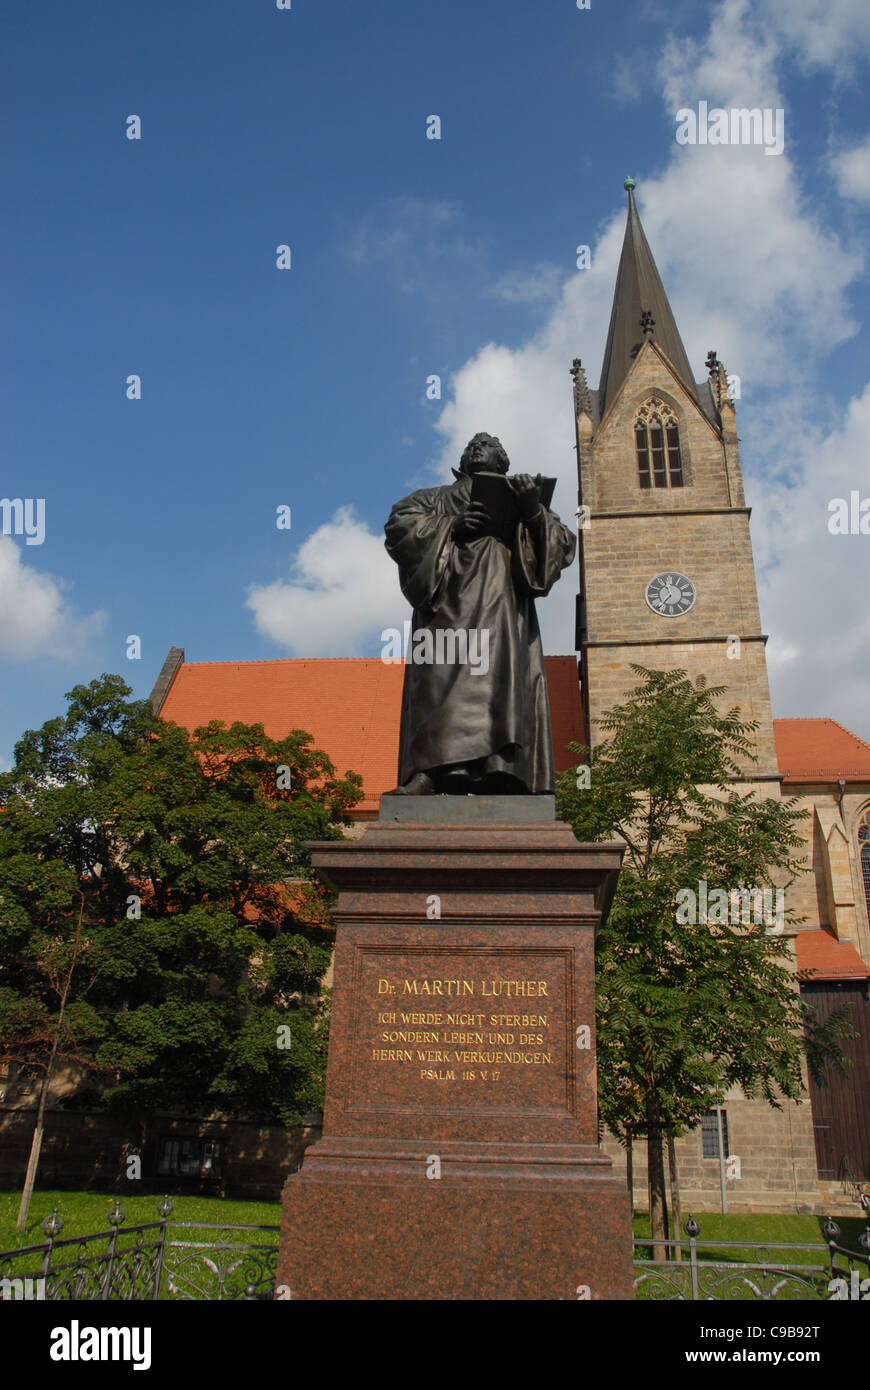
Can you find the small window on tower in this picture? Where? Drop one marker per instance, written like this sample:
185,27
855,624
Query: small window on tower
657,444
642,455
675,463
657,441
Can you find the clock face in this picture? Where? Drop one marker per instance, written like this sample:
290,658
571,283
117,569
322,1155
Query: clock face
670,594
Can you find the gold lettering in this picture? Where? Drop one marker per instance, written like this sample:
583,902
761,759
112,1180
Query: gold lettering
512,1057
514,1020
449,987
513,989
406,1036
438,1041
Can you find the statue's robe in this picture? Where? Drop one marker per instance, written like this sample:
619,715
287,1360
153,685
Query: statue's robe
450,713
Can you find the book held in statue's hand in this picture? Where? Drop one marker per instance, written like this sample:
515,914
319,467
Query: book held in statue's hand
494,491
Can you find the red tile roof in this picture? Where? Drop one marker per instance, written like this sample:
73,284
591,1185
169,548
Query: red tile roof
820,750
831,959
351,706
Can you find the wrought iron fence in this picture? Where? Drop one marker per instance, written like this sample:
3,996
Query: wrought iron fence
150,1261
746,1270
237,1262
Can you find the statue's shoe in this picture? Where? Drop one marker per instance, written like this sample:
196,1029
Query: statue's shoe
421,784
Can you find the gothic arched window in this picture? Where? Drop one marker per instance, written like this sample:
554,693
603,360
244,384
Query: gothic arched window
864,842
657,440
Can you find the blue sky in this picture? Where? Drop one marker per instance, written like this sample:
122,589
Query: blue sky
410,256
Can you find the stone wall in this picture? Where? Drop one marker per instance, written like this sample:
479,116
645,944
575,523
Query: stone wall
777,1164
84,1150
610,677
711,483
832,893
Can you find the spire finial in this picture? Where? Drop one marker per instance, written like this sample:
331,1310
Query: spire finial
629,184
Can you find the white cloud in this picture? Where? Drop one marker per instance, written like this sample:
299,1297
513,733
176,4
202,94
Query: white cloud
418,242
748,35
398,226
851,170
541,284
35,619
342,593
734,64
749,265
813,585
821,33
629,75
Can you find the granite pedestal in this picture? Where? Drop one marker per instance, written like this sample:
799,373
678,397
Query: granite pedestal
459,1157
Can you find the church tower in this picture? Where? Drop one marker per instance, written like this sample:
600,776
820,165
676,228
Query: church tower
667,578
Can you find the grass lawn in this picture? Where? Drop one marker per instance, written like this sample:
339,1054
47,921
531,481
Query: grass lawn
85,1212
761,1228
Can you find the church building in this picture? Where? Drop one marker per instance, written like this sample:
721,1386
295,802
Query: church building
667,581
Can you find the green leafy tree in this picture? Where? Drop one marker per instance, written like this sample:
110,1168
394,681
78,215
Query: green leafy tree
686,1008
160,920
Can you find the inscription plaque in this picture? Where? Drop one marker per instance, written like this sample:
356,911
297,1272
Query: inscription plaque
448,1030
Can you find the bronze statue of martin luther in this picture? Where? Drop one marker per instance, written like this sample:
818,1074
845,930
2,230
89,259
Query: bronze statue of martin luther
473,556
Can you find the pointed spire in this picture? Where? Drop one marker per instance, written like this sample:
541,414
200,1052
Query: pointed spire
640,310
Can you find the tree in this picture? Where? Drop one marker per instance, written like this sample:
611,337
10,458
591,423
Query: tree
28,1022
160,921
690,1005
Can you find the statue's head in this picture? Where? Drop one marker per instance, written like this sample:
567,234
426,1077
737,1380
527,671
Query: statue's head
484,454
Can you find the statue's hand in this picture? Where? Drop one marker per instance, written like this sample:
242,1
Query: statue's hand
528,494
471,523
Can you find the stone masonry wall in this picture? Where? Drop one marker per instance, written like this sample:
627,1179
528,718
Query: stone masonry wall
87,1150
777,1162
